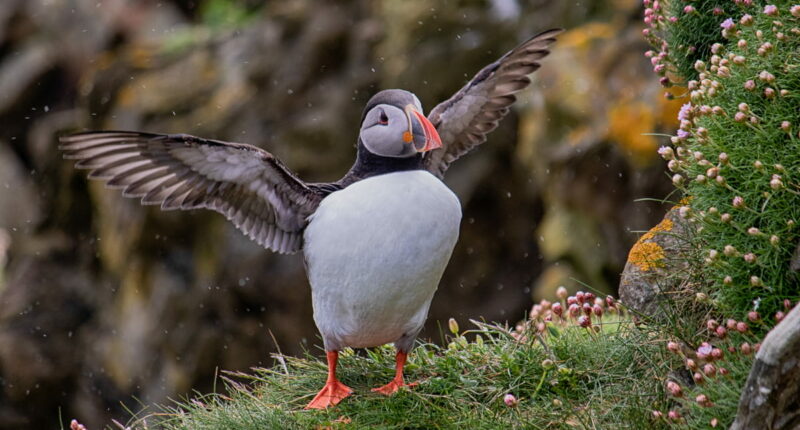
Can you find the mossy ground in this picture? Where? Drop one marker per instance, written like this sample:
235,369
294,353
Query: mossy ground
610,379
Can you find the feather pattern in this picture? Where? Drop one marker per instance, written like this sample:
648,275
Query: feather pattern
246,184
464,120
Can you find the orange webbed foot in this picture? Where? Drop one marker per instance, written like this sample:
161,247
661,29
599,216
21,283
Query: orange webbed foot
393,387
331,394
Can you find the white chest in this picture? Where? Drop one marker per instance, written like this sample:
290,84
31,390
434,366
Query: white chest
376,252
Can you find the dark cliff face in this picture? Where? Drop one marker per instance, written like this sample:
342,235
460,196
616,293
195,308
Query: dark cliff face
102,300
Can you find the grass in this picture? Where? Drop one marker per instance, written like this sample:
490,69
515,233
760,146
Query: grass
565,377
760,165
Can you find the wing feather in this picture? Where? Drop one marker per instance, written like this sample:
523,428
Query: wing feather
464,120
249,186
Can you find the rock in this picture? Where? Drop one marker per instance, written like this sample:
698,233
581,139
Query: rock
653,262
771,396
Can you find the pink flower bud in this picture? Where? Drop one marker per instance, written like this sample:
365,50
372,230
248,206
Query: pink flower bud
738,202
714,422
673,347
698,378
745,348
741,327
610,302
597,310
584,321
787,304
709,370
674,389
510,400
779,316
571,300
587,309
722,371
557,308
753,316
702,400
589,297
574,310
561,292
716,354
674,415
581,296
730,324
721,332
691,364
712,324
658,415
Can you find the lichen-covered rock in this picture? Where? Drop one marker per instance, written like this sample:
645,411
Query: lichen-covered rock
654,262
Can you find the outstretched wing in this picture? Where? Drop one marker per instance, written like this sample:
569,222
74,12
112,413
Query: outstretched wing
246,184
465,119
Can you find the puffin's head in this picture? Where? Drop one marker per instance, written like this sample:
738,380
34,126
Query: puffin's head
393,126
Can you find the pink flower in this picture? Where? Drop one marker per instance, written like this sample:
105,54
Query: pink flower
685,111
728,24
510,400
688,9
771,10
704,350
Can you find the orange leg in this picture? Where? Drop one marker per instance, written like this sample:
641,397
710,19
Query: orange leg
398,381
334,391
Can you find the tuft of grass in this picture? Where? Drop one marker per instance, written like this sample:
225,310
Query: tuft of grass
563,377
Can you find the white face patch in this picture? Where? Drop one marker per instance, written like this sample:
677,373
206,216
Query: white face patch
382,132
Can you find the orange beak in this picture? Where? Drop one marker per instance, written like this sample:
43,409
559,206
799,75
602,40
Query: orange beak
421,132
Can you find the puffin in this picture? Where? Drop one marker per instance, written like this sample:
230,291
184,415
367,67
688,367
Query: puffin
376,242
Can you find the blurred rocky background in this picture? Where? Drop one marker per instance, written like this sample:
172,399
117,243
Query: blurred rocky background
107,306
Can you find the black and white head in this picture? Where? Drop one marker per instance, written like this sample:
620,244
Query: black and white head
394,126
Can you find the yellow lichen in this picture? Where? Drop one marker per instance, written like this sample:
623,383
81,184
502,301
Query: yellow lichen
647,255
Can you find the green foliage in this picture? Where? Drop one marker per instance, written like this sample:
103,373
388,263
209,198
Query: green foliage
224,14
746,196
593,380
691,36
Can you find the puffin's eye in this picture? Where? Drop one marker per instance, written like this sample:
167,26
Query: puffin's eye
384,120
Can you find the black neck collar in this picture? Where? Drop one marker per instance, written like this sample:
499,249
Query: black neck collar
368,164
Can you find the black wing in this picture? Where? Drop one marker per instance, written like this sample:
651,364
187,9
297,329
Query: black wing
248,185
465,119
